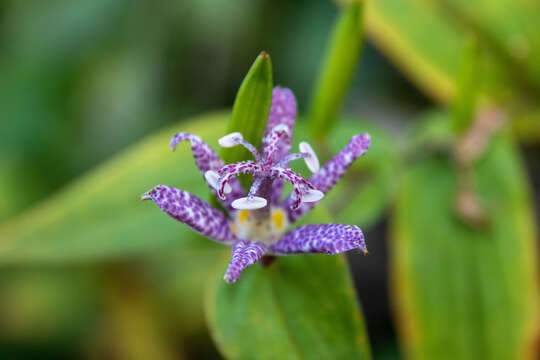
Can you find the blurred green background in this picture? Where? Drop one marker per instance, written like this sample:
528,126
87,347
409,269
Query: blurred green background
81,81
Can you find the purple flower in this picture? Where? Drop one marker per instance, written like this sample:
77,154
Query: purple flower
257,223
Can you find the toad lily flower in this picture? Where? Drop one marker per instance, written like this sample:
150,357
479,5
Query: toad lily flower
256,224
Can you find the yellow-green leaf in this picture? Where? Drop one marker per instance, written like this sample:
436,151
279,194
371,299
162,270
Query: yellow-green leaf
464,293
337,70
463,109
425,42
100,215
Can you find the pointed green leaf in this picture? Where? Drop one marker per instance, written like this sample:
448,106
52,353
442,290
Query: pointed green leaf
300,307
341,59
251,108
463,293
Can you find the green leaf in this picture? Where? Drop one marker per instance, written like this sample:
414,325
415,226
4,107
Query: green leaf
342,55
251,108
463,293
300,307
508,39
508,27
100,216
429,57
467,85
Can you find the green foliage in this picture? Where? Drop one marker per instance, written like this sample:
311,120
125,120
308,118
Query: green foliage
464,293
251,108
341,59
300,307
424,37
101,217
362,197
467,83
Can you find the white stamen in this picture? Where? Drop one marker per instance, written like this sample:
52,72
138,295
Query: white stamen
212,178
249,203
281,127
230,140
312,161
312,195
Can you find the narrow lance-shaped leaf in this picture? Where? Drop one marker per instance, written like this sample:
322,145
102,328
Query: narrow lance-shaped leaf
461,292
341,59
467,87
251,108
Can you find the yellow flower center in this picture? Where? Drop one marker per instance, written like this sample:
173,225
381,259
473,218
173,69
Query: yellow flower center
248,227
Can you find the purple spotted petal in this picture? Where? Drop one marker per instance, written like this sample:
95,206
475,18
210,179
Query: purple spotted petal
320,239
325,179
283,111
297,181
229,172
206,159
244,254
192,211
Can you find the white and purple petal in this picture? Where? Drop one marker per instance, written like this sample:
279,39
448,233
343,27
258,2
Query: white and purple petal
228,173
282,112
325,179
300,185
327,239
244,254
207,160
192,211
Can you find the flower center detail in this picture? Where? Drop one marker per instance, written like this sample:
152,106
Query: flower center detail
266,167
268,231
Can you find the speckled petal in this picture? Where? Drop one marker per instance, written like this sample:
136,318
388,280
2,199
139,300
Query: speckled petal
206,159
283,111
325,179
320,239
192,211
228,173
298,182
244,254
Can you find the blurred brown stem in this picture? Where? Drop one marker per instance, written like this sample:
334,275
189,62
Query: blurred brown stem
469,148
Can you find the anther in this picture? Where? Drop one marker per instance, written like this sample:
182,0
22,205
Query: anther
249,203
212,178
312,161
230,140
312,195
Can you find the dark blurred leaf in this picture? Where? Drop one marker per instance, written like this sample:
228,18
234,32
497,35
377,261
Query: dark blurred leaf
463,293
251,108
335,76
300,307
46,306
364,194
133,323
